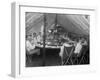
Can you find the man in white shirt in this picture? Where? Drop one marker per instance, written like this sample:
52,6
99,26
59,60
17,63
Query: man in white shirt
39,37
79,45
31,48
31,45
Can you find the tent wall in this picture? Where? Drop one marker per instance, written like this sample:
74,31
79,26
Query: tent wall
73,23
77,24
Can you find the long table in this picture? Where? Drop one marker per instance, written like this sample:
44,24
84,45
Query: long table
49,49
47,46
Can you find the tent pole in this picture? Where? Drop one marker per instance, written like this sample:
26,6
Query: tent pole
56,20
44,37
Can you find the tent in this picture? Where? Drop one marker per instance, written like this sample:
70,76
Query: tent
78,24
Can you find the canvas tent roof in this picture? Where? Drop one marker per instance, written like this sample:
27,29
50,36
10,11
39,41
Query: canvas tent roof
77,24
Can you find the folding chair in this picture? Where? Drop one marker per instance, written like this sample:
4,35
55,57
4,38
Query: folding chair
79,58
67,58
83,58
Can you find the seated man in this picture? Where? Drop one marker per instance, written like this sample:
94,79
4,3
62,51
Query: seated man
30,46
39,37
78,46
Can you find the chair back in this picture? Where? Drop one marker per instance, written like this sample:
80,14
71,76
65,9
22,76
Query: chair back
82,52
68,51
